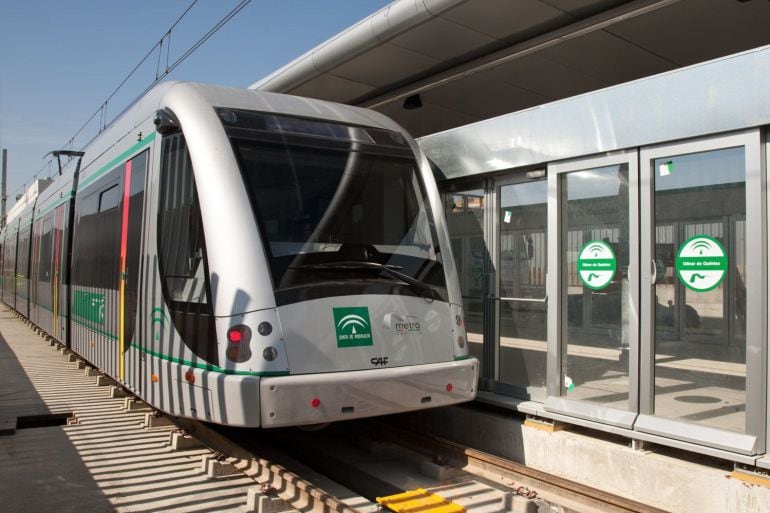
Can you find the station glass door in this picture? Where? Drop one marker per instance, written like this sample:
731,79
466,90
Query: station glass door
520,300
702,291
593,216
660,291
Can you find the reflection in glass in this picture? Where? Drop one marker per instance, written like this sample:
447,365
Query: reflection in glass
465,221
700,337
596,228
522,271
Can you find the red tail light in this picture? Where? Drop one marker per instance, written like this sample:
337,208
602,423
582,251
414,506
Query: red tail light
238,338
235,334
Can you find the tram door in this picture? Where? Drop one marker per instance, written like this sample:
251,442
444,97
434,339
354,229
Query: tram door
593,219
59,288
132,208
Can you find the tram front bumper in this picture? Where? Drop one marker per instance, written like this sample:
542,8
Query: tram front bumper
329,397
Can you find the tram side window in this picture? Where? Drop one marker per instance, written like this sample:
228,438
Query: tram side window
97,237
23,262
182,252
180,228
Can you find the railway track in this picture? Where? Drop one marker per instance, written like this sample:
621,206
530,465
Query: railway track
374,458
557,490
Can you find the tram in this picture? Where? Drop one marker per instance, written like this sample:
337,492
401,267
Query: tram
250,259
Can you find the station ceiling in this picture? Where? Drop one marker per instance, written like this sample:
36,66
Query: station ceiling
455,62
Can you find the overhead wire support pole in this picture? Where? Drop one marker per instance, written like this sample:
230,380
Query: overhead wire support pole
4,198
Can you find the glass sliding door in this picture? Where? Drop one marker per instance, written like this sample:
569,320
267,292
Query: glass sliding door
522,302
595,205
702,295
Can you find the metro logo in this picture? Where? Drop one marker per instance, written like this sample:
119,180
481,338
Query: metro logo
353,326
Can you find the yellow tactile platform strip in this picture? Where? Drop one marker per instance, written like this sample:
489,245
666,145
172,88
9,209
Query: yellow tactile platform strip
419,501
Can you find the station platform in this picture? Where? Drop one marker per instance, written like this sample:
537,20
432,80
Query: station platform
668,479
106,461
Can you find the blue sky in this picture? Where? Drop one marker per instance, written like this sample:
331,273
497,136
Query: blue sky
59,60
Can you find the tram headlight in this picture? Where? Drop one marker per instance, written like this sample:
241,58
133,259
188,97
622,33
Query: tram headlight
270,353
264,328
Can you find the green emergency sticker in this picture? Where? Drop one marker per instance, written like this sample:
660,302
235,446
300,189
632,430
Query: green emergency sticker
596,264
701,263
353,326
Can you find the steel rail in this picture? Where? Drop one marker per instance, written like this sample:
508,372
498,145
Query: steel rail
558,486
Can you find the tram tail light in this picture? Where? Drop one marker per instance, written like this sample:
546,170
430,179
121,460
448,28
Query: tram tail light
315,402
236,334
238,338
449,387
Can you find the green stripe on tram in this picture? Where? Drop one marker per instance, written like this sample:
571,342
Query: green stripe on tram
118,160
206,366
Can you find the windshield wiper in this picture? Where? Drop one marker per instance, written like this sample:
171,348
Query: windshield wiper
393,270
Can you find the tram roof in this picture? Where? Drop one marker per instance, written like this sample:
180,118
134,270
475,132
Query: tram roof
470,60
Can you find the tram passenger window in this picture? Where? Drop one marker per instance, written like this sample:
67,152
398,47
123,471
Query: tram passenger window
182,251
109,199
96,250
180,227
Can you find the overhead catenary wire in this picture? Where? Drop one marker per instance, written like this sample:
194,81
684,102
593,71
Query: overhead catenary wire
101,111
103,107
198,43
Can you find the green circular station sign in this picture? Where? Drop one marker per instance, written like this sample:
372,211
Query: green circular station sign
596,264
701,263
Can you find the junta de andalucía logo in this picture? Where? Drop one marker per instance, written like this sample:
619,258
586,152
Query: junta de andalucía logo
353,326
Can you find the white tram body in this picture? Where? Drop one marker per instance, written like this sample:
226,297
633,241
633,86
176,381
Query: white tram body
248,258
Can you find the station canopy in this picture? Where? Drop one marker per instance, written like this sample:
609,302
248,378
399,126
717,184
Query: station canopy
433,65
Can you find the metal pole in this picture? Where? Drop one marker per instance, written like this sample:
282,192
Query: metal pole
3,197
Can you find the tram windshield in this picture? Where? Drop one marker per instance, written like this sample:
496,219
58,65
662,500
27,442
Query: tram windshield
342,210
